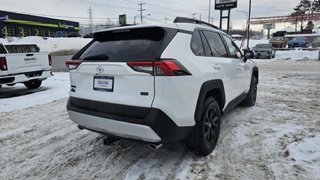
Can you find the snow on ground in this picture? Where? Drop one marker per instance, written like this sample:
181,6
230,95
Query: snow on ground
20,97
276,139
49,44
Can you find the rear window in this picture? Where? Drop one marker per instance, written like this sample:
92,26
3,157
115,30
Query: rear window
128,44
22,48
2,49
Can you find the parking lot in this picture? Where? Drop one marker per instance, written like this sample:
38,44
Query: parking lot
278,138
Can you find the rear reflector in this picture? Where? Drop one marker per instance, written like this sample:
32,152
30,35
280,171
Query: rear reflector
162,67
3,64
73,64
50,60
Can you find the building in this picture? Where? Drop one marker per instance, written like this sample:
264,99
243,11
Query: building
22,25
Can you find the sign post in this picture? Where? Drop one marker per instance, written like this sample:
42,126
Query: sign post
269,26
225,5
122,19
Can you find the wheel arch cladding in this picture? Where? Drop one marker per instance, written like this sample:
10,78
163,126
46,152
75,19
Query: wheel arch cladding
212,88
255,72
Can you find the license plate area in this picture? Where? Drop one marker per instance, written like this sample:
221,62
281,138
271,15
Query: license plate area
103,83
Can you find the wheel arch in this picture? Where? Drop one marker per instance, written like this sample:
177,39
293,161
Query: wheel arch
212,88
255,72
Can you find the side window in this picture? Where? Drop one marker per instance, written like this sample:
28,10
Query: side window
196,44
216,45
233,48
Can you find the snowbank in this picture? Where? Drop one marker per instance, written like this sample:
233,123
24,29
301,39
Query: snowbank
19,97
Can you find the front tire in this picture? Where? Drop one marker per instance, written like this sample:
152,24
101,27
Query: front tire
33,84
252,95
209,127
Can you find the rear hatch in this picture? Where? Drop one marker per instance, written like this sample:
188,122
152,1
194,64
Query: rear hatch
104,74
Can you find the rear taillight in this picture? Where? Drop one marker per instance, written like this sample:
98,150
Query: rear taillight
3,64
162,67
50,60
73,64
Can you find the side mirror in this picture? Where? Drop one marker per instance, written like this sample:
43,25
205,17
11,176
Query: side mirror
248,54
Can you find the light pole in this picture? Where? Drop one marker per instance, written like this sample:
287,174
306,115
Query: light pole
247,29
135,17
249,23
209,11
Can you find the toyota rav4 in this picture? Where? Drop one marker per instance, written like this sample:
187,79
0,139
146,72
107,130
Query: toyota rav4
160,84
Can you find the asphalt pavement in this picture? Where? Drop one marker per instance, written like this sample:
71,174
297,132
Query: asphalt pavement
58,63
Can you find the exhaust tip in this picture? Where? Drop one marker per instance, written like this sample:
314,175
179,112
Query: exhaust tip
155,146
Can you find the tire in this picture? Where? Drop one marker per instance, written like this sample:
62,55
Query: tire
252,95
11,84
33,84
209,127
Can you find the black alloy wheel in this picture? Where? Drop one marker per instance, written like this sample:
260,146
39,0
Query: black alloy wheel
210,127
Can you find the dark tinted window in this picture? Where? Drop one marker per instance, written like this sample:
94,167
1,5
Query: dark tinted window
216,44
196,44
127,45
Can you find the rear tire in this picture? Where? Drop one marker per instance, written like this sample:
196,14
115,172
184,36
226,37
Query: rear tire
252,95
11,84
33,84
209,127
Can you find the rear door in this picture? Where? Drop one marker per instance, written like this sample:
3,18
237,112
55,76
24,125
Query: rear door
243,71
222,66
104,74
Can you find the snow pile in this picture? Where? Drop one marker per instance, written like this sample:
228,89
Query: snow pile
297,55
49,44
19,97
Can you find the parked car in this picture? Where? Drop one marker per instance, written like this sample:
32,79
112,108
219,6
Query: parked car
264,50
316,43
60,34
278,42
29,68
160,84
298,42
74,34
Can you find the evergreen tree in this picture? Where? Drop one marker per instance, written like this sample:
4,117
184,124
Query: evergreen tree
301,9
316,6
310,25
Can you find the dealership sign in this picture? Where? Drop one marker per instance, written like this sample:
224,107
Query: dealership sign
225,4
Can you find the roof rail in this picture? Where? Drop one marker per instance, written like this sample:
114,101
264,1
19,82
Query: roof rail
194,21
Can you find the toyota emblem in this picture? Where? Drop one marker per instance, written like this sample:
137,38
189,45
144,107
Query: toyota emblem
100,69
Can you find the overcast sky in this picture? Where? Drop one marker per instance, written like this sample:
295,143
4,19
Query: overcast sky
77,10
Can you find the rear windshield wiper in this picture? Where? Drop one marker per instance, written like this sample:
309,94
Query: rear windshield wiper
97,57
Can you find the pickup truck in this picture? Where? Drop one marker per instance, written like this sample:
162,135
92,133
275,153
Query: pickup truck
24,64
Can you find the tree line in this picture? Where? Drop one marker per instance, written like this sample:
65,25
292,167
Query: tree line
306,7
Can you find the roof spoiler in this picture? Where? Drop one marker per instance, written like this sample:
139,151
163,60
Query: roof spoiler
193,21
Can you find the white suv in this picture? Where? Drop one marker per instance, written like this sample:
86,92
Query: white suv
160,83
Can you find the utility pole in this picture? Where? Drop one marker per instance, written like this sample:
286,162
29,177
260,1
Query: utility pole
141,10
90,20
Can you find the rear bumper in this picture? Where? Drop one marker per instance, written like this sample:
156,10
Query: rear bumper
24,77
155,126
